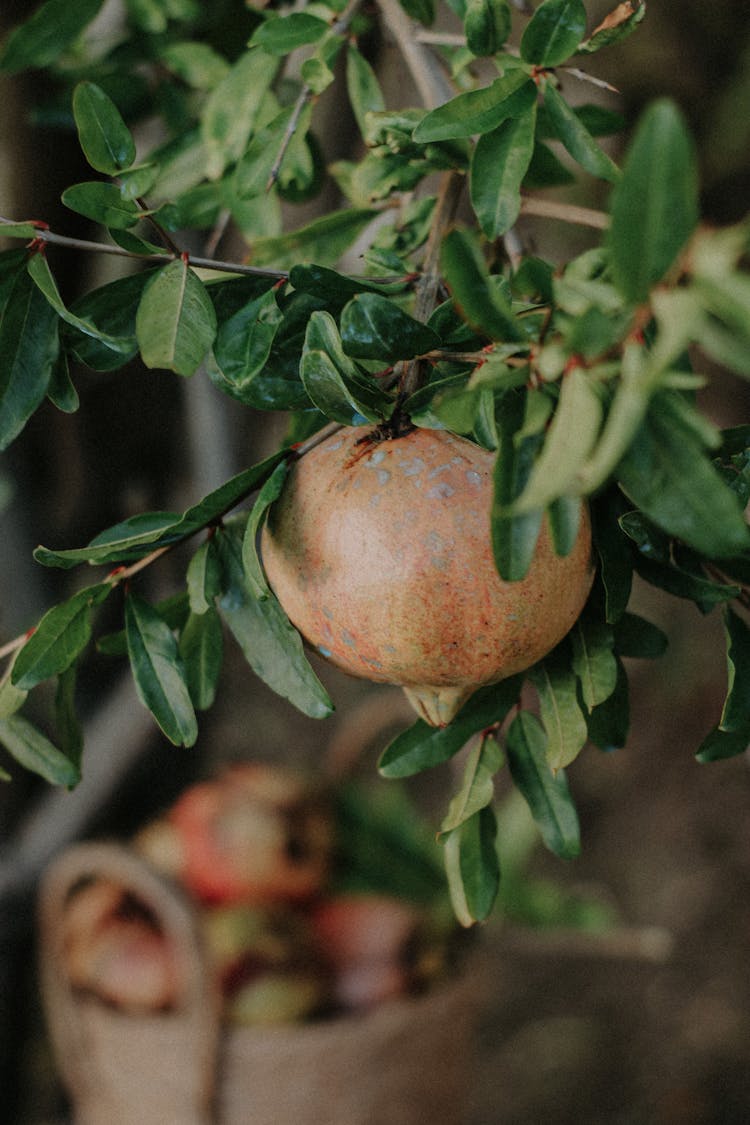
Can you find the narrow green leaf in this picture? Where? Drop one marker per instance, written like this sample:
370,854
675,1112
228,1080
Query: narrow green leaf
498,165
232,109
158,672
620,23
561,714
272,647
615,557
576,138
477,300
594,662
29,347
42,277
270,492
472,867
59,638
106,141
365,95
735,715
176,323
479,111
609,722
477,786
333,381
564,521
721,744
18,230
47,34
422,746
203,578
323,240
103,203
487,25
554,32
514,534
638,638
243,344
111,309
281,34
682,583
67,726
199,65
545,792
34,751
201,650
655,205
61,391
12,698
372,327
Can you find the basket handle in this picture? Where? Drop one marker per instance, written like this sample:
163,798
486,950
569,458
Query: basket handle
192,1027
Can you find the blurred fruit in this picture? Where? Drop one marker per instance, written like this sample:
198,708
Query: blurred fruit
380,553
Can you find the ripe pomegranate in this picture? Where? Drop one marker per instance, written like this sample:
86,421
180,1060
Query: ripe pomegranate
380,553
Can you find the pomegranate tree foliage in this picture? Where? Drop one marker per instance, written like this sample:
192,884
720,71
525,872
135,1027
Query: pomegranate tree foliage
578,375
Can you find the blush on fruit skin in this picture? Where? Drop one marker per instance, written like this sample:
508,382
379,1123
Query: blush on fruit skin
381,555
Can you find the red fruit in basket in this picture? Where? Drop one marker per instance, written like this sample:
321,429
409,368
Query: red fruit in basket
380,552
254,835
115,951
368,940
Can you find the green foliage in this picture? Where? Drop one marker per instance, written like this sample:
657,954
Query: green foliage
575,375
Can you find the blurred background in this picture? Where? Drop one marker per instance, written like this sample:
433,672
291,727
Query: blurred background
643,1022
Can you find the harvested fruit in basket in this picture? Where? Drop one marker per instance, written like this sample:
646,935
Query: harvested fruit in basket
380,552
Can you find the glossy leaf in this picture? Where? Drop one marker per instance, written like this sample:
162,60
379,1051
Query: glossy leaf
553,32
609,722
372,327
106,141
499,163
546,793
280,35
41,275
61,392
638,638
682,583
34,751
514,534
594,661
232,109
332,380
722,744
477,787
472,867
735,715
479,302
564,522
201,650
655,206
487,25
62,634
616,26
479,111
269,493
576,138
422,746
243,344
68,730
47,34
203,578
615,558
103,203
111,309
271,646
176,323
29,347
323,240
158,672
560,712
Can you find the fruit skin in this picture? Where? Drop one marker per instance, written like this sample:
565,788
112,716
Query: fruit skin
380,553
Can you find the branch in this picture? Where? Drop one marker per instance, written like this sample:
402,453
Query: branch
564,212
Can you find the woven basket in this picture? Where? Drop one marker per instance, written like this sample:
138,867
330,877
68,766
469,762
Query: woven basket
404,1063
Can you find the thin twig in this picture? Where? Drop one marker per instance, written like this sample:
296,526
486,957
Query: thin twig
564,212
584,76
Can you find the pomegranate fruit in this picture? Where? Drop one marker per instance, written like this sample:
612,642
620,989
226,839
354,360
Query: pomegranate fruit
380,553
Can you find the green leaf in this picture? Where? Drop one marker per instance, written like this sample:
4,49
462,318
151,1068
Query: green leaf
336,288
609,722
176,323
561,714
487,25
472,867
29,347
477,788
635,637
111,309
232,109
615,558
554,32
41,275
59,638
271,645
498,165
682,583
323,240
668,476
281,34
594,662
620,23
479,111
67,726
106,141
479,302
243,344
203,578
576,138
18,230
12,698
269,493
61,391
372,327
174,612
422,746
365,95
34,751
545,792
564,521
333,381
655,205
103,203
158,672
197,64
735,715
722,744
47,34
514,534
201,650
